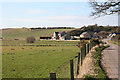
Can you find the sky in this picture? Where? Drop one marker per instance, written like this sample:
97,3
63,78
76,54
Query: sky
50,14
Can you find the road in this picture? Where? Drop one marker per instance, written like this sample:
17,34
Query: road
110,60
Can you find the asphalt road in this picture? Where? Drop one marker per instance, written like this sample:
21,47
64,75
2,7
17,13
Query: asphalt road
110,60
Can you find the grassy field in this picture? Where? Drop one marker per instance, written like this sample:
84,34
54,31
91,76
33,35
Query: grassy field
33,61
38,42
22,33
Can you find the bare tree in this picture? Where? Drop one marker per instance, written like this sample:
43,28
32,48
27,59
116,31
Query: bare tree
105,8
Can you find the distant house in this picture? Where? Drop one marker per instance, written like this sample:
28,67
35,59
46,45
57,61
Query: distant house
61,36
75,37
85,35
55,36
89,35
67,37
95,35
111,35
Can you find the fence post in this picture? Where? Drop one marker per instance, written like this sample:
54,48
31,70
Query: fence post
71,69
81,56
86,48
90,47
52,76
78,63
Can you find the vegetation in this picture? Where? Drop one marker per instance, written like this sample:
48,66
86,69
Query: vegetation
52,28
101,30
23,33
30,39
105,8
115,39
39,42
98,67
114,42
34,61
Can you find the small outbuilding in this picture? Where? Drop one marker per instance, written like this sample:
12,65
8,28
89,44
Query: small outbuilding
45,38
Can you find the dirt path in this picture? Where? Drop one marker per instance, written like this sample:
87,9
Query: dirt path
110,60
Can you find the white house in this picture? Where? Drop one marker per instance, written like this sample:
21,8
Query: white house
61,36
85,35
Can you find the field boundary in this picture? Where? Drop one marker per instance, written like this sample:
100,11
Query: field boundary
71,69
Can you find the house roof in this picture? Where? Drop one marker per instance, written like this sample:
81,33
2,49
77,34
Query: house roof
62,32
56,32
84,33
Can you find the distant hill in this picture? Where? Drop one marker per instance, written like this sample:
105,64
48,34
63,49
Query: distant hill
22,33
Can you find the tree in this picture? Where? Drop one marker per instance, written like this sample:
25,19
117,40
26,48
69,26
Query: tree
105,8
30,39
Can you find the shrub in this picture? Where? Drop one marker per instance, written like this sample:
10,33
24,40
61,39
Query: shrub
30,39
96,41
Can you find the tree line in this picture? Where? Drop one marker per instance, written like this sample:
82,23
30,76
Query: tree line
52,28
94,28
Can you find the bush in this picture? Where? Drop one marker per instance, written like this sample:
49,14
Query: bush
96,41
30,39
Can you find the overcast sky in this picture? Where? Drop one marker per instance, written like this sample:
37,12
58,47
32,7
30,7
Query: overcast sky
34,14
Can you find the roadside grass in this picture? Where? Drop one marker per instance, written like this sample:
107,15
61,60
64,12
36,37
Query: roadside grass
34,62
114,42
98,69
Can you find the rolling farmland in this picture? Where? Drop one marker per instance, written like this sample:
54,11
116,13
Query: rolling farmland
34,62
24,33
28,60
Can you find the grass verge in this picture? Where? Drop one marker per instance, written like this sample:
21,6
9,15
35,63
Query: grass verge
114,42
98,69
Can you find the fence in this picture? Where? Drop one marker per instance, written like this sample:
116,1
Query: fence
71,68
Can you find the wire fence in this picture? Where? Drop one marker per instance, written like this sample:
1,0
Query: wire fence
63,72
71,68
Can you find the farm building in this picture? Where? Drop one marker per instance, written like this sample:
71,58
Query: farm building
95,35
61,36
45,37
85,35
89,35
75,37
55,36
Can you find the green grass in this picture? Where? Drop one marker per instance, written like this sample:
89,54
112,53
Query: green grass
98,68
34,62
114,42
21,33
38,42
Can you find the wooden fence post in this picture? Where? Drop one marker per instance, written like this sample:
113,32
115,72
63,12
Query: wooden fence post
89,46
86,48
71,69
78,63
81,56
52,76
84,51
